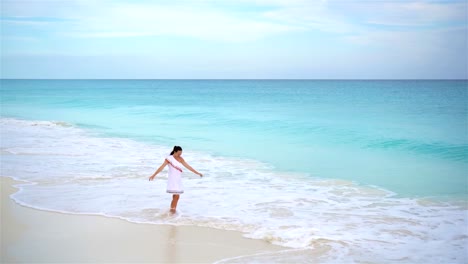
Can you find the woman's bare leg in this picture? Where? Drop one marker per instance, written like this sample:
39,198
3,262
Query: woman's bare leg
175,199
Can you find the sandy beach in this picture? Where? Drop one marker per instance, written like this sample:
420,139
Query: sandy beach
29,235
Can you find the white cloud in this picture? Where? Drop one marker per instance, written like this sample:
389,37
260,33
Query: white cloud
26,22
412,14
215,20
316,16
65,9
126,20
105,19
338,16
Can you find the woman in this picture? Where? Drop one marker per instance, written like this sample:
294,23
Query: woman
174,181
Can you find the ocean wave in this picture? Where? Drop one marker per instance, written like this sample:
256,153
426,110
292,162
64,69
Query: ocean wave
436,149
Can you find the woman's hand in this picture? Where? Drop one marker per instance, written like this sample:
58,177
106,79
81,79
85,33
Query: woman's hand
199,174
152,177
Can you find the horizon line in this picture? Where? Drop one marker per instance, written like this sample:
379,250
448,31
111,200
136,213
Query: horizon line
239,79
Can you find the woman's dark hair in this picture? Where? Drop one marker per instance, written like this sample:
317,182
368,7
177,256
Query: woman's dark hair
176,148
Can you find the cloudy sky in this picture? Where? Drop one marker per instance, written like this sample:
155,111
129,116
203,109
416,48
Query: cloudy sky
251,39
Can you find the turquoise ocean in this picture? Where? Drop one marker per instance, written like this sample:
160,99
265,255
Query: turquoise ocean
359,170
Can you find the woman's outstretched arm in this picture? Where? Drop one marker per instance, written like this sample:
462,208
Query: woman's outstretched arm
159,170
190,168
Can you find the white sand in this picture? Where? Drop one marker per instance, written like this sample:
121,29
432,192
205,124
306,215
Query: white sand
30,235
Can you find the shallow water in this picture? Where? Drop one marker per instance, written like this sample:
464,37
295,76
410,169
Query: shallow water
410,137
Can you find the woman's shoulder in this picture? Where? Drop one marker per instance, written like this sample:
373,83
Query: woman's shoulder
179,159
170,157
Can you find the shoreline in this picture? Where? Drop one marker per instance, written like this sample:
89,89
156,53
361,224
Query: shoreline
33,235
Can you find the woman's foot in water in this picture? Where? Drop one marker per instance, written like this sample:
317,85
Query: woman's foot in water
172,211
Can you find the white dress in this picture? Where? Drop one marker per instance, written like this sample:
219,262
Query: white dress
174,179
